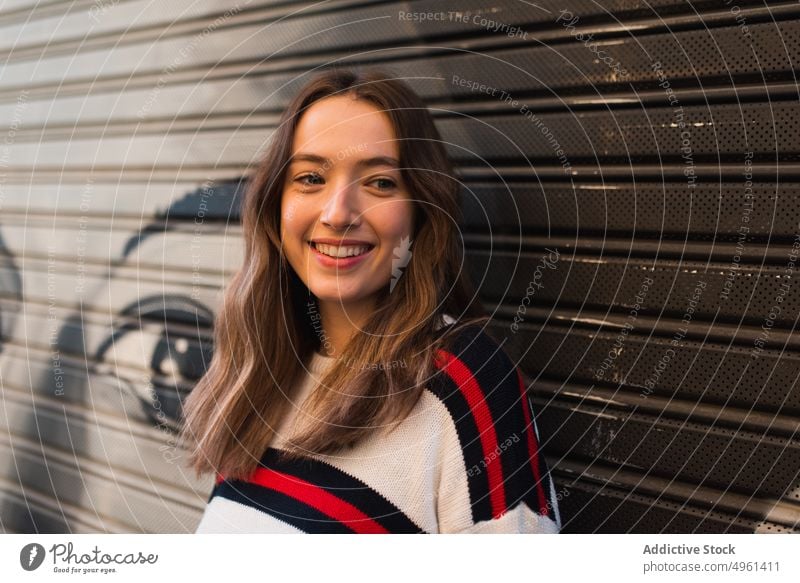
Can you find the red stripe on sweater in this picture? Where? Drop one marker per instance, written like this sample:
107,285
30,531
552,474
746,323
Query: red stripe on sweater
317,498
473,394
533,448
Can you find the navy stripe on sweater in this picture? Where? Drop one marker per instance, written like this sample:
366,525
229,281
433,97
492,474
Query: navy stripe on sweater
315,496
482,390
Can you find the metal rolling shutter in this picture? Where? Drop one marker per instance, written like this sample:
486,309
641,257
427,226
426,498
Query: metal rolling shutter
127,126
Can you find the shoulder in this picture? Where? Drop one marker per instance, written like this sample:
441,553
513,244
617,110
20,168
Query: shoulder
486,398
479,385
471,353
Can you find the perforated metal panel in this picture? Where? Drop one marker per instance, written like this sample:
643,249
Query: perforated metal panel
630,219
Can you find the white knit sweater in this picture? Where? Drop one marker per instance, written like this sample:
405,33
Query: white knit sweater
465,460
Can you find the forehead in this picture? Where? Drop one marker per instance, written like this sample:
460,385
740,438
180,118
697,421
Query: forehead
335,126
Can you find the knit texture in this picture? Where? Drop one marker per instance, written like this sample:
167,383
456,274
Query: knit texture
466,460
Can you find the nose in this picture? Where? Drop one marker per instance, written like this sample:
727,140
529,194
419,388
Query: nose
341,207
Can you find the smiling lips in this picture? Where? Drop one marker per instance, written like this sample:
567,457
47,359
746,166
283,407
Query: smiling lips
340,256
341,251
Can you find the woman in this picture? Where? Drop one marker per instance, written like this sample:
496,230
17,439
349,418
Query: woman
352,387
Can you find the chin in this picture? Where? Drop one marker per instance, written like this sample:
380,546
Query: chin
336,296
342,296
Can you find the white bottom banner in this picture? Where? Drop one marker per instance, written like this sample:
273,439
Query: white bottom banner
369,558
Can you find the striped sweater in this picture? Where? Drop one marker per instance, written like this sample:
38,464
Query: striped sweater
466,460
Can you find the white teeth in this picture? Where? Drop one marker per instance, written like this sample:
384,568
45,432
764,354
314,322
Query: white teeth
344,251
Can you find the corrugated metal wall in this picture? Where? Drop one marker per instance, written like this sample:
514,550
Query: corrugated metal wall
631,214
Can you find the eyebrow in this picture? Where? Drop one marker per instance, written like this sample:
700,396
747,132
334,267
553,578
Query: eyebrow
366,162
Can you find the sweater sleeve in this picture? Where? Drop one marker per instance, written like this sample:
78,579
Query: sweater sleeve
493,477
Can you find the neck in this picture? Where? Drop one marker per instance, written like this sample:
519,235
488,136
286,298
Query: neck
340,322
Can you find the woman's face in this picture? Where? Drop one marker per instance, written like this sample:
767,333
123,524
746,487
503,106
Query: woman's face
345,214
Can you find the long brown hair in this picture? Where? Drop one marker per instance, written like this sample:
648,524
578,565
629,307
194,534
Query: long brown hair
264,338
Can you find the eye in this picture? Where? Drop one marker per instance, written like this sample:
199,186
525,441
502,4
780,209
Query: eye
312,176
387,184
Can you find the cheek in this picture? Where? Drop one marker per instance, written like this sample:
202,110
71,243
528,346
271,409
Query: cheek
393,221
290,219
291,232
288,206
